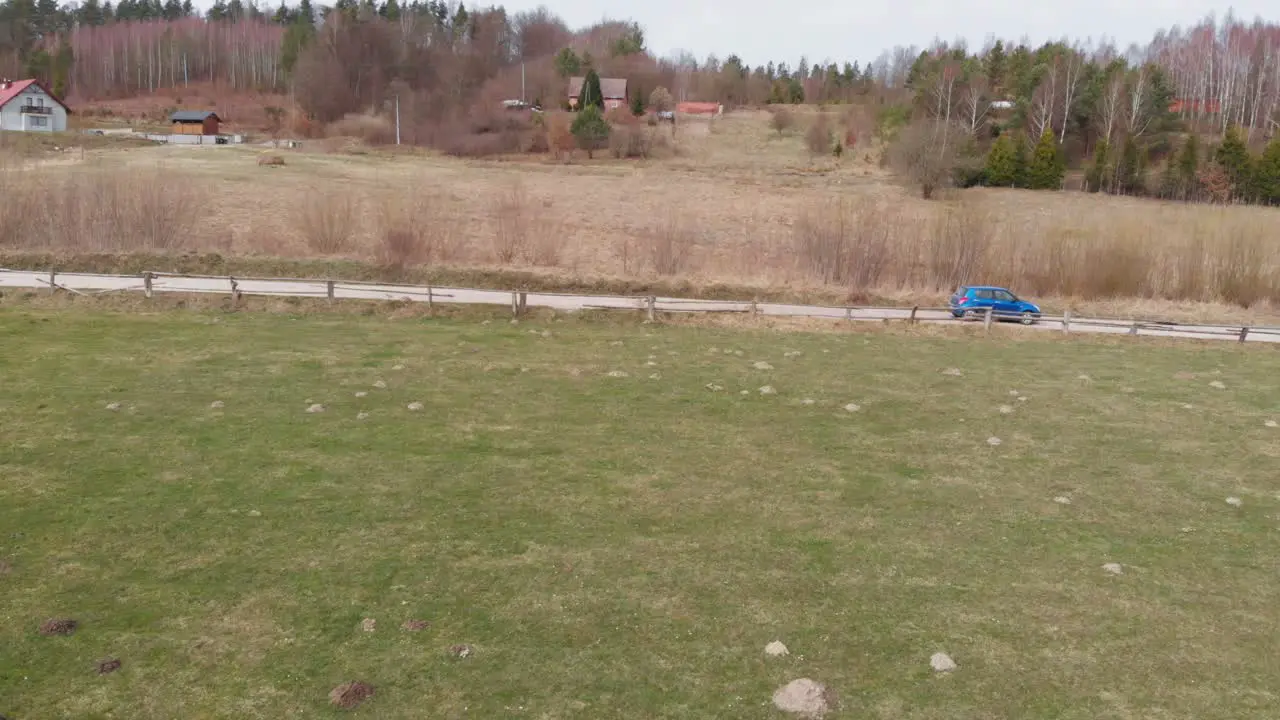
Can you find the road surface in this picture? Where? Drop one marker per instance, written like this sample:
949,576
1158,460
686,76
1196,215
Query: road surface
92,284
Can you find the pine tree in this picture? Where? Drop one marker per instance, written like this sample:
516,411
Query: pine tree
637,104
1233,156
591,93
1129,169
1266,174
590,129
1096,177
993,64
1047,166
1007,162
1189,168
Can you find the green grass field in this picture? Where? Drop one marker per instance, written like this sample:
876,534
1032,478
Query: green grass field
624,547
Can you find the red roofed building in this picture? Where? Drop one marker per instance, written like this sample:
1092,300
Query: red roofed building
29,106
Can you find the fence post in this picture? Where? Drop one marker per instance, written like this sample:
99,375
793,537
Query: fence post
146,283
515,304
754,309
53,274
848,314
652,302
235,290
1133,330
328,290
986,320
1244,333
524,301
912,321
1066,321
430,300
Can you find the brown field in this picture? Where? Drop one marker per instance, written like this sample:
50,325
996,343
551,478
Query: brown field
728,202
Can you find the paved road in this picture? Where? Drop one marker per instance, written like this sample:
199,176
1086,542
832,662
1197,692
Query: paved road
91,284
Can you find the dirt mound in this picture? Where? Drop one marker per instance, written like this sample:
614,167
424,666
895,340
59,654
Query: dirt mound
350,695
415,625
58,626
107,666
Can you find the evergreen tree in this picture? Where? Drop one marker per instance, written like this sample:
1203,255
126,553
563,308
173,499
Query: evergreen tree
567,63
1129,168
1096,177
1266,174
590,129
1047,166
1233,156
591,93
188,10
1007,162
172,10
637,104
305,13
390,10
1189,168
993,65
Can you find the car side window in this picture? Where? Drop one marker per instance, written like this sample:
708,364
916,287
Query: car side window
984,295
1004,295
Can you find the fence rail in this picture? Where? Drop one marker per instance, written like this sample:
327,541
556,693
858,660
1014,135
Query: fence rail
150,283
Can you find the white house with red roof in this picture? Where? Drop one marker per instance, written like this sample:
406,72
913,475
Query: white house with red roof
29,106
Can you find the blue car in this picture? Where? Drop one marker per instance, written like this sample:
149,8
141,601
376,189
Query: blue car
974,300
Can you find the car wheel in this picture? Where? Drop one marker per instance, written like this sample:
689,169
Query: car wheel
1028,317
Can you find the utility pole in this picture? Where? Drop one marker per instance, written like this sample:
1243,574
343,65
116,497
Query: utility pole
397,118
523,99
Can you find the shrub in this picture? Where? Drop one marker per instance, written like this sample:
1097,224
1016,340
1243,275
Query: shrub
326,219
372,129
590,130
781,119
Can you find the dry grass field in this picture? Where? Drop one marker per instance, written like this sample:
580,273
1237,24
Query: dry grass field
731,202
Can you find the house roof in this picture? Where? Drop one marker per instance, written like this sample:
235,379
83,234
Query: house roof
193,116
16,88
612,88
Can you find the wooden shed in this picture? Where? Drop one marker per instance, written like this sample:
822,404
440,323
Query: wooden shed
195,122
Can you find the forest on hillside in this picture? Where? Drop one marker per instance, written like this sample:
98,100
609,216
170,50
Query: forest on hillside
1120,115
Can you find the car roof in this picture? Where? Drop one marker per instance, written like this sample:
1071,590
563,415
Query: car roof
982,287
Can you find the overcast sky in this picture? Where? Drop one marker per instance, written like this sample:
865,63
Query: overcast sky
848,30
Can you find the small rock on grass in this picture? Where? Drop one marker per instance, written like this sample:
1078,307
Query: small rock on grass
1113,568
1006,409
380,384
368,624
254,513
852,407
994,441
803,697
460,651
217,404
113,406
807,401
398,367
762,365
941,662
714,387
414,406
315,408
1271,423
108,666
776,649
362,393
362,416
1218,385
1235,501
953,372
617,374
768,390
1063,500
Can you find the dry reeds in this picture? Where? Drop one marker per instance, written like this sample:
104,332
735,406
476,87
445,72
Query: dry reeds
670,245
1214,257
522,232
327,219
98,210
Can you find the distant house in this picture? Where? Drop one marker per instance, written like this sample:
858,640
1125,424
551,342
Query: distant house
1002,105
195,122
1193,105
29,106
613,89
